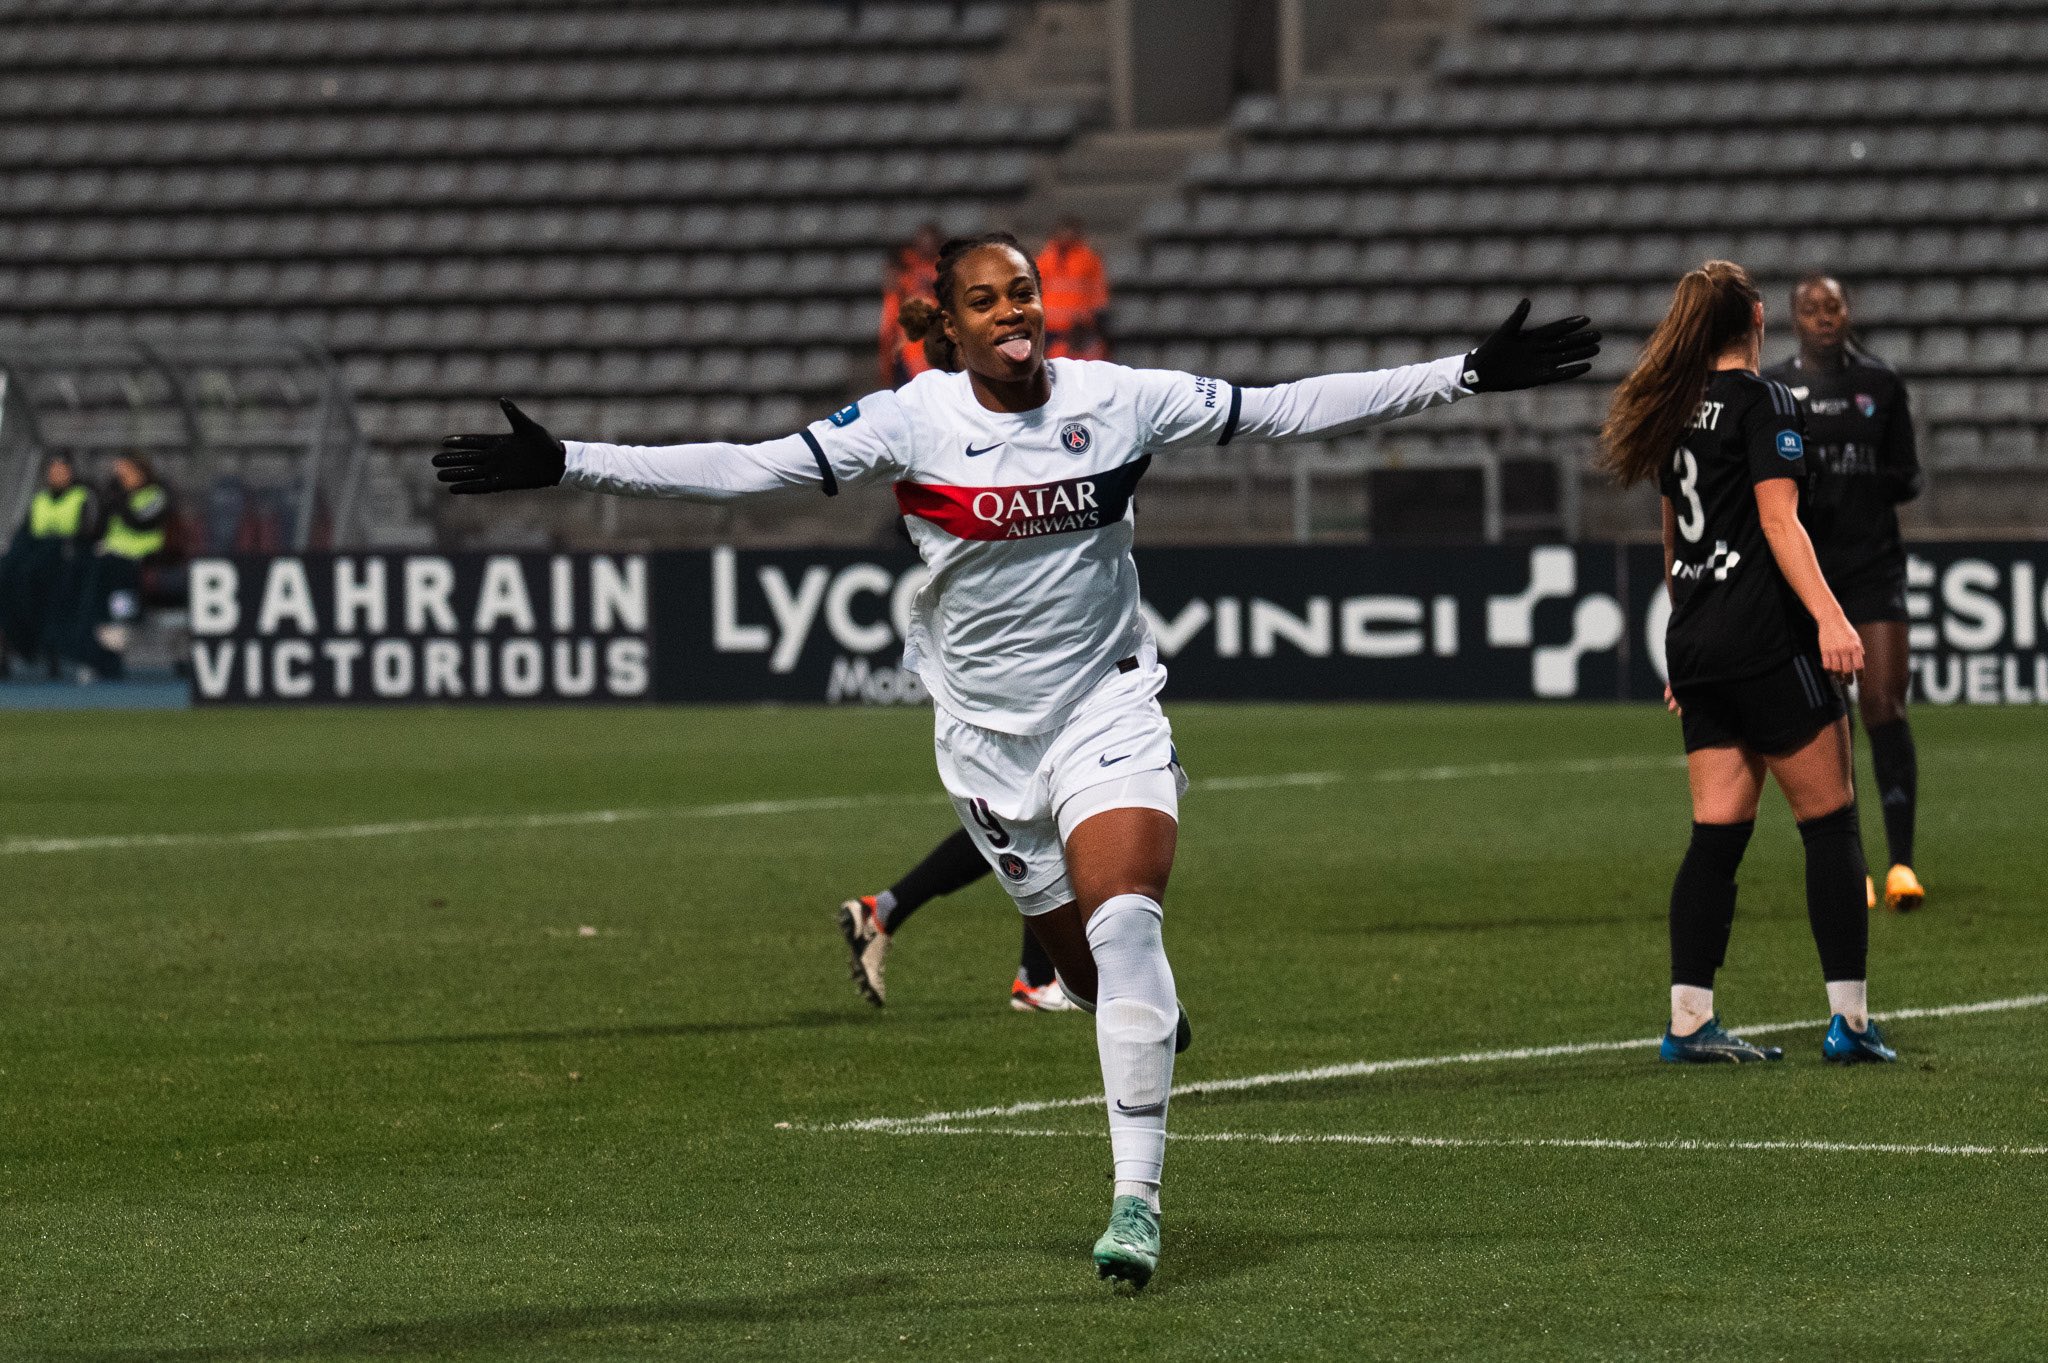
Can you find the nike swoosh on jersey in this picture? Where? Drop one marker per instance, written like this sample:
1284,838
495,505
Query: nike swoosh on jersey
1110,761
972,452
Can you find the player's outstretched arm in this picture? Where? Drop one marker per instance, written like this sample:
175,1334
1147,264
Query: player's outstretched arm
1336,404
528,456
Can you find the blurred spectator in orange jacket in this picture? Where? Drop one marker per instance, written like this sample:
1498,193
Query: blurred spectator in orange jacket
910,275
1076,294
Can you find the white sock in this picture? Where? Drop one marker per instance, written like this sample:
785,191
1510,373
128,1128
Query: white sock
1851,998
1691,1006
1135,1013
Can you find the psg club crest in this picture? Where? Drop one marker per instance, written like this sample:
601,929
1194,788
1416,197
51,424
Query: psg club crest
1075,437
1012,864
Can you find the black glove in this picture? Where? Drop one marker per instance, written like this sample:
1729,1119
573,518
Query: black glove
1512,358
528,457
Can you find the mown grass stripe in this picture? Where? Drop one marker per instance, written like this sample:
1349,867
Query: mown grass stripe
1360,1068
1396,1140
470,823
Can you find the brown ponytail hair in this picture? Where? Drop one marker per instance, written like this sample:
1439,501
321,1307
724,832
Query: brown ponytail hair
1713,308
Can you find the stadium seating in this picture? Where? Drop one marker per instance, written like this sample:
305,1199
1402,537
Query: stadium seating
1588,152
663,219
660,220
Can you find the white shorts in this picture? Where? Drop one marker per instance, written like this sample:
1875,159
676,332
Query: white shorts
1020,796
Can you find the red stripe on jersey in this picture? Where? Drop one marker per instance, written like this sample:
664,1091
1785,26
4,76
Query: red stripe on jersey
1027,511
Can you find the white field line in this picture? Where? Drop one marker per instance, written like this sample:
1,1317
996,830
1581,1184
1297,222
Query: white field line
400,828
1493,1142
1359,1068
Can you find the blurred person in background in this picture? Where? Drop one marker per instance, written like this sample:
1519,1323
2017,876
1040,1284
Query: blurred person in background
40,562
1864,463
1076,295
909,276
138,511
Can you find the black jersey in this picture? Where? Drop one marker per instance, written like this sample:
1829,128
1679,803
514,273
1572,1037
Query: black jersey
1733,615
1864,463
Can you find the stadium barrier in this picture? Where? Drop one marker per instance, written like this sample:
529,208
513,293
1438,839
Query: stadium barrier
1496,622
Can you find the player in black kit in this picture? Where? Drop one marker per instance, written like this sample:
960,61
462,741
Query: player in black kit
1755,645
1860,446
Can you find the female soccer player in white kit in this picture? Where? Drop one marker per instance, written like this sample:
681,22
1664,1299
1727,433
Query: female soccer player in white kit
1015,476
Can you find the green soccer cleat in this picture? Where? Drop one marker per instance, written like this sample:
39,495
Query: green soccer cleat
1129,1249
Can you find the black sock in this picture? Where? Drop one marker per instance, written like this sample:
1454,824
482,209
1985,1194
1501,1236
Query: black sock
953,865
1898,786
1834,893
1032,963
1703,901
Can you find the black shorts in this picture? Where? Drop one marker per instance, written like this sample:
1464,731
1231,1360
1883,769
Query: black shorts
1873,595
1770,715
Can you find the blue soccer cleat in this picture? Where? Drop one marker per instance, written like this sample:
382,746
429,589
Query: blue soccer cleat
1847,1046
1712,1045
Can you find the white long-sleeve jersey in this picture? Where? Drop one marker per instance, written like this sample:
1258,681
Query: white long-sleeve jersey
1025,519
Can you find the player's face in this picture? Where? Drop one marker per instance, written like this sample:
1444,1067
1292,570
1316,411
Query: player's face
997,321
1820,314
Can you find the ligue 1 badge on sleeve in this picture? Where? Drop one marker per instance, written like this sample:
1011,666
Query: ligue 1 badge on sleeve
1790,445
1075,437
846,415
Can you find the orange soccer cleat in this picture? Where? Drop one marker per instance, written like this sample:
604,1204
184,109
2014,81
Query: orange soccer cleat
1902,892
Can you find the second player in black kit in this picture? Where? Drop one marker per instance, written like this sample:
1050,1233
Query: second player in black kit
1864,464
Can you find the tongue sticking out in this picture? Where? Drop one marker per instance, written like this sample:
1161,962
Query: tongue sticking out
1016,350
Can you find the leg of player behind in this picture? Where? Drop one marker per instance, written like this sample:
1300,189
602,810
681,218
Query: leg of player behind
1755,648
870,923
1860,441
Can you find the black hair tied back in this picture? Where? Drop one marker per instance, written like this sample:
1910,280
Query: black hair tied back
920,319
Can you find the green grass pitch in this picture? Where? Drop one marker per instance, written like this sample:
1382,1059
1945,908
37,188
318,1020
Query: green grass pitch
380,1096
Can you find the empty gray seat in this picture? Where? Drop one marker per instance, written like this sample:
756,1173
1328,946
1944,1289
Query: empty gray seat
1956,447
1943,350
1998,349
2006,399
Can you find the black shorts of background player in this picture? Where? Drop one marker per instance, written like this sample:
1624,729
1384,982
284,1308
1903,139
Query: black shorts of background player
1755,645
1863,464
870,922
